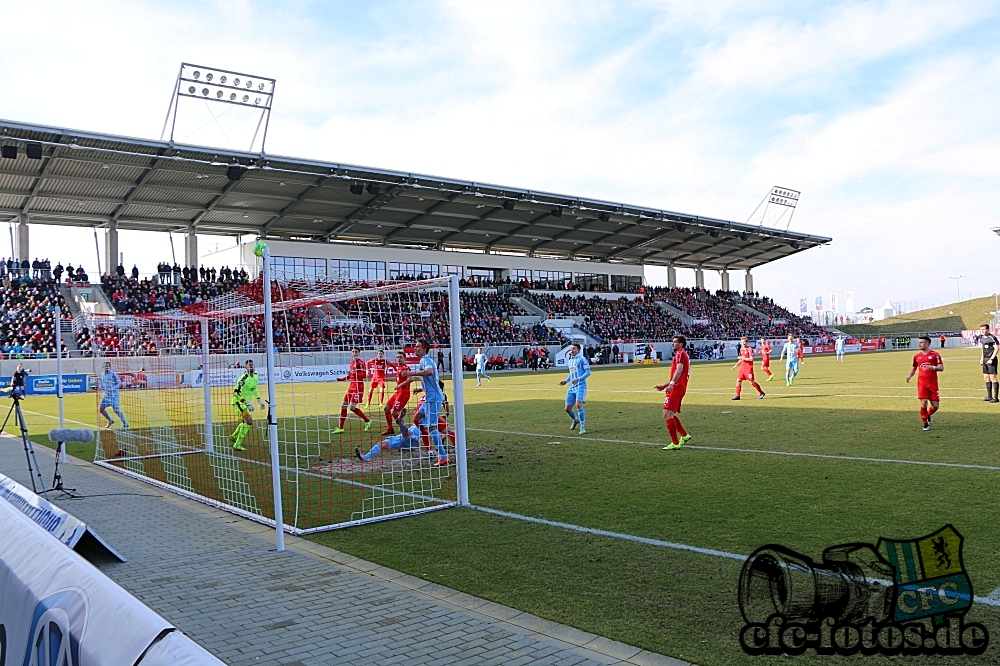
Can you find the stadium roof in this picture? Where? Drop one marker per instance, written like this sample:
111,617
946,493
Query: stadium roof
71,177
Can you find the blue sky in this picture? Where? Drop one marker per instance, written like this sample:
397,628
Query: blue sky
883,114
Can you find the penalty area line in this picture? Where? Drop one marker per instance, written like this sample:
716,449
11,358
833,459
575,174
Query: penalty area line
986,601
792,454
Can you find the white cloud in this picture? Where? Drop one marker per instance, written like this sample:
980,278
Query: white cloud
774,51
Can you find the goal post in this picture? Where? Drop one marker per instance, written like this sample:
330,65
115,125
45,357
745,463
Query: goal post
272,423
457,368
285,454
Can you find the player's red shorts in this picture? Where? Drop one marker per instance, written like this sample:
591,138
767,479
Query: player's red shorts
378,383
398,400
673,399
354,395
928,392
745,373
765,362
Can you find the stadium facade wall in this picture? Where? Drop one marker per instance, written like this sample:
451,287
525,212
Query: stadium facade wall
498,262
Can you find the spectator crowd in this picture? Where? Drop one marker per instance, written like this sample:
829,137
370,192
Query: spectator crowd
27,316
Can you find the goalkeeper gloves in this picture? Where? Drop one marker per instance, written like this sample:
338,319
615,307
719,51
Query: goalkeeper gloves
260,403
249,405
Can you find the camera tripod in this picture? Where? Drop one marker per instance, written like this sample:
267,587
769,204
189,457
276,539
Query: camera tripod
29,450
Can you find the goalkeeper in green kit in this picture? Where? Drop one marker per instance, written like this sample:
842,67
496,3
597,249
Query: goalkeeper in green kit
246,388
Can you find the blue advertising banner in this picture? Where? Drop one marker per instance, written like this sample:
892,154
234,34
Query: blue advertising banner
46,384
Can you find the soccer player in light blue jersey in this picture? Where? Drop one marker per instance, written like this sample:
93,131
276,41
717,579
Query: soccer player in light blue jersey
480,359
430,411
576,394
408,439
790,352
838,345
110,382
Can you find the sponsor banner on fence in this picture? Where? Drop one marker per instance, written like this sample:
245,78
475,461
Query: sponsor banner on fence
229,376
830,349
46,384
971,338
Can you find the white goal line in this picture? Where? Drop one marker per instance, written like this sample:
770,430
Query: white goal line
794,454
189,450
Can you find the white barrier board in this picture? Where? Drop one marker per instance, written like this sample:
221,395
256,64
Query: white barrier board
56,608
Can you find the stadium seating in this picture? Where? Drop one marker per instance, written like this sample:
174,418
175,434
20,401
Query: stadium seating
486,316
131,296
726,319
27,317
606,319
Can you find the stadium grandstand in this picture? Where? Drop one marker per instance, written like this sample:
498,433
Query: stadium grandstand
535,268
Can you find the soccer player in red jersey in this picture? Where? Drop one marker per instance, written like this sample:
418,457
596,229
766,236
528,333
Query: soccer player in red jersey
355,392
745,366
396,408
376,370
765,358
680,370
929,363
800,352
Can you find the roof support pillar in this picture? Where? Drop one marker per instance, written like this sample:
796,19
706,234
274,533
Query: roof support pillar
699,277
749,282
111,259
21,251
671,276
191,248
724,273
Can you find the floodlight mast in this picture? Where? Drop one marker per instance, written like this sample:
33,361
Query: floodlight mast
777,196
222,86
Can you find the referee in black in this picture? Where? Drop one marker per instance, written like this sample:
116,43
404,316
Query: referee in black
990,346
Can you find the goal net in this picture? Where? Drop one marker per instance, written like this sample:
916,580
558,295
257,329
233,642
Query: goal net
178,406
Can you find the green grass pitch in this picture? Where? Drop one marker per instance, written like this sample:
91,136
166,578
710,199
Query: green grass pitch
728,495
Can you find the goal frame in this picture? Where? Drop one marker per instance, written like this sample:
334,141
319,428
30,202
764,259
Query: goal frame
447,286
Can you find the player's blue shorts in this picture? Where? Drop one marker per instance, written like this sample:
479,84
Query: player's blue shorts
397,442
576,393
792,365
481,371
110,400
430,413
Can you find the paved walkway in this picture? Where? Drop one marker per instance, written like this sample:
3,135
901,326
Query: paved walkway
218,578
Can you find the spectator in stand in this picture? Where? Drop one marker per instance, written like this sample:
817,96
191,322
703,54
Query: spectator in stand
120,271
135,272
132,296
607,319
27,316
57,271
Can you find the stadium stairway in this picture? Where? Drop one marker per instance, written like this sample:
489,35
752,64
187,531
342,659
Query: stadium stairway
74,307
84,299
68,338
750,310
529,307
684,317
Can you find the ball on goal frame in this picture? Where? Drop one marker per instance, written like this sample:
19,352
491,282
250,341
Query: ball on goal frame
259,247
